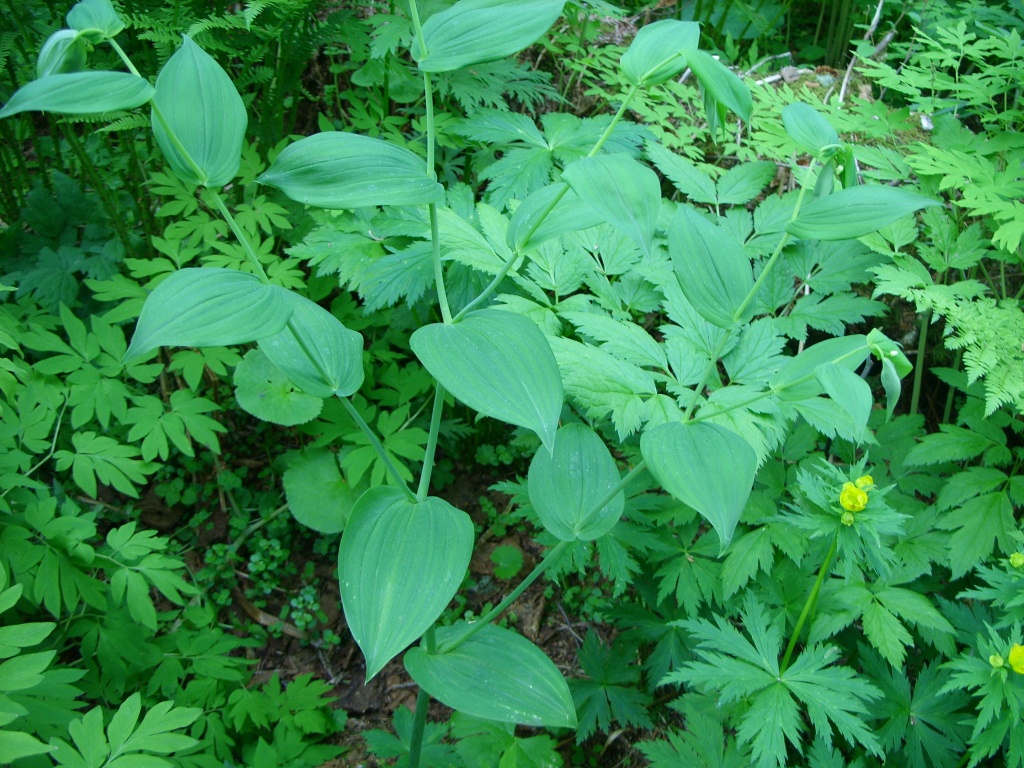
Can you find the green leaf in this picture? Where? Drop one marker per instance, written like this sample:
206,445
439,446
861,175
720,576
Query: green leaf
399,565
316,351
14,746
98,457
475,31
80,93
209,307
265,392
495,674
497,363
610,691
806,126
705,466
720,83
742,183
340,170
64,51
713,268
507,560
198,118
550,211
95,16
684,175
624,192
795,379
656,53
317,494
849,391
855,212
566,485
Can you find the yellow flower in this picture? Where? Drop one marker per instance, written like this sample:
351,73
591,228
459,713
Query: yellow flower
865,481
1017,560
1016,658
852,498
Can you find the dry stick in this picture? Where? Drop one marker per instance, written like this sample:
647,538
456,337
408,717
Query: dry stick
853,59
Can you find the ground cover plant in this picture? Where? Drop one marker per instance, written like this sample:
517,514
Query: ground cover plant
672,304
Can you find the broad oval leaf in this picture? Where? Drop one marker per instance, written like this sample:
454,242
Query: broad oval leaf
720,83
496,674
626,193
855,211
656,53
198,118
97,17
339,170
262,390
316,351
566,486
705,466
64,51
795,379
499,364
209,307
80,93
399,565
318,496
475,31
713,268
808,128
849,391
548,212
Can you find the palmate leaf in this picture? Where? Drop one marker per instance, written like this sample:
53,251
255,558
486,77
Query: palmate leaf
610,693
737,668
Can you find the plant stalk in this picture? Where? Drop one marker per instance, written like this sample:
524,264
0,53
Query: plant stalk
431,449
812,600
377,446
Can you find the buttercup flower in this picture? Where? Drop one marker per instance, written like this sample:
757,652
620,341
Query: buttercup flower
996,661
1016,658
852,498
865,482
1017,559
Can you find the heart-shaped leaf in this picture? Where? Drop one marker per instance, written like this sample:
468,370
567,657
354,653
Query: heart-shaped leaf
808,128
855,211
705,466
566,486
713,268
495,675
475,31
339,170
318,496
262,390
399,565
198,118
316,351
64,51
656,53
209,307
80,93
95,17
499,364
624,192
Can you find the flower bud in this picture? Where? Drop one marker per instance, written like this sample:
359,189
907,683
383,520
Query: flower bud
1016,658
996,661
847,518
1017,560
852,498
64,51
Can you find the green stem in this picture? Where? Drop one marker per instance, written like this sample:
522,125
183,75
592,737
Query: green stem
812,599
240,234
491,288
708,370
428,459
544,564
552,555
383,454
922,347
442,293
419,721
